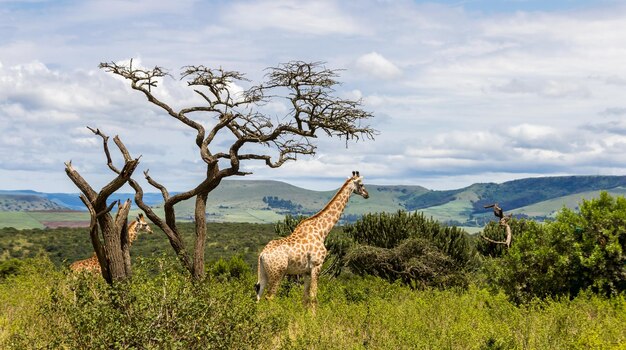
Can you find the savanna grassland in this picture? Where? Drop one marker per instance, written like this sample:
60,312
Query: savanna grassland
393,281
44,307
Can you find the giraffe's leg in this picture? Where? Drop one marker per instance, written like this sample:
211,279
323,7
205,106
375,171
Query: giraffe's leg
274,275
272,287
275,268
307,289
315,274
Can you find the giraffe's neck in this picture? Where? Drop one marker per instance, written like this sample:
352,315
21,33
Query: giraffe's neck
132,231
330,214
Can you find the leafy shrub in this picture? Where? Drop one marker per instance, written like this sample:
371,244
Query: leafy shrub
285,228
411,248
152,311
233,268
417,262
10,267
578,251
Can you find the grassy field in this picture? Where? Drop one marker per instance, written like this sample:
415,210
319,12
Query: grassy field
161,309
457,210
19,220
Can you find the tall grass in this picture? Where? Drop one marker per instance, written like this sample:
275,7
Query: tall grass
370,313
44,307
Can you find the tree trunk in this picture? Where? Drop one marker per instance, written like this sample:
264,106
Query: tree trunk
112,230
198,253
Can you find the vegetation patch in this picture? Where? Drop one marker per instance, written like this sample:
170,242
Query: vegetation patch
161,308
399,281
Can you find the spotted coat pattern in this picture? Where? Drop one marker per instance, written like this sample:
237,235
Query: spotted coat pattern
303,252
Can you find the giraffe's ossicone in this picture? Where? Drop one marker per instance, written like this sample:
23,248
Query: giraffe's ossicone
303,252
92,265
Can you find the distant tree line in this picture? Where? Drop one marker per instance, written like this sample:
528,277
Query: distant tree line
279,203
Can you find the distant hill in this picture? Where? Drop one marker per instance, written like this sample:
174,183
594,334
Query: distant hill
270,201
70,201
27,202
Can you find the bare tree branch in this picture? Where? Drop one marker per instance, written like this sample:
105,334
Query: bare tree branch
112,252
142,78
105,140
164,192
503,222
307,89
80,182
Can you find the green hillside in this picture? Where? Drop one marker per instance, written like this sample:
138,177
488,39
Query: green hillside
243,201
270,201
550,207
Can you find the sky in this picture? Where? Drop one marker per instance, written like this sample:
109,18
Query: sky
462,91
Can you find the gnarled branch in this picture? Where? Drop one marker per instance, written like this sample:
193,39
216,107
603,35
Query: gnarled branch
307,89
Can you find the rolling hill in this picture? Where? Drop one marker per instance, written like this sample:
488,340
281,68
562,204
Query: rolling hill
27,202
270,201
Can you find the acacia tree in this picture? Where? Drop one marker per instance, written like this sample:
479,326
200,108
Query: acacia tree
113,250
308,89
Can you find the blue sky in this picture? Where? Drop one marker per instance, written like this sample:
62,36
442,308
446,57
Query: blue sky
462,91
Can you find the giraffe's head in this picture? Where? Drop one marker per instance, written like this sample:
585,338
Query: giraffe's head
359,188
142,224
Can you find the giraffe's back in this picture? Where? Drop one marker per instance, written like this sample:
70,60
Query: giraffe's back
89,265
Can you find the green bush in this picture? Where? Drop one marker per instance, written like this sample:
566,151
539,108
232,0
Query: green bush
285,228
495,232
578,251
416,262
233,268
408,247
10,267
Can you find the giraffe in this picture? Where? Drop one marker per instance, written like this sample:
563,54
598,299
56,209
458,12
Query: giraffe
92,265
303,251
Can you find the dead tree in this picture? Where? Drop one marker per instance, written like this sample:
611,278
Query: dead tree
497,211
307,88
113,249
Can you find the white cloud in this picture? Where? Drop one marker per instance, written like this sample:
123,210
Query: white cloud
548,88
378,66
307,17
457,93
529,134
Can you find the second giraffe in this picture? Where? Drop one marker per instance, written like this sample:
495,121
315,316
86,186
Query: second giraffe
92,265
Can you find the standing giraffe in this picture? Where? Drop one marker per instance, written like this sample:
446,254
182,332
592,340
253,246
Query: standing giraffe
92,265
303,251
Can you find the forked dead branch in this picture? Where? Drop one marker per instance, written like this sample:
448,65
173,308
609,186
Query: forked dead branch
497,211
112,251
